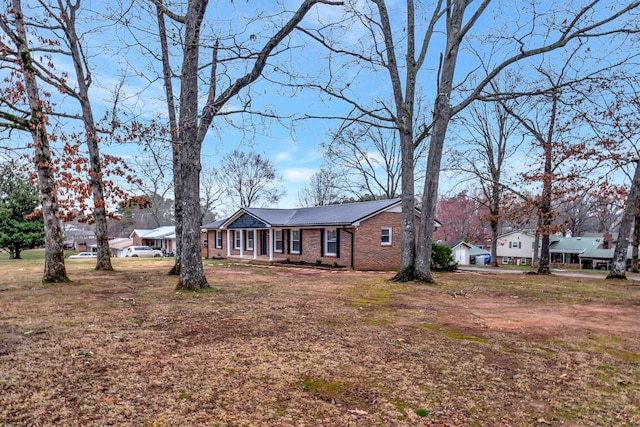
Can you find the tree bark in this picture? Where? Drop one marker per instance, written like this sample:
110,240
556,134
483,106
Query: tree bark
636,243
103,261
193,126
619,264
442,116
175,140
192,275
544,211
54,268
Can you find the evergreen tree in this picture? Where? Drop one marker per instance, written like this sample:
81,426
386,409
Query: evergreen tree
20,227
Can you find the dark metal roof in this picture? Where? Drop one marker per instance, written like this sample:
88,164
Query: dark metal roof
330,215
215,224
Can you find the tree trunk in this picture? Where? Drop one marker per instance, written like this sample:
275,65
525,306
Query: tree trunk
175,140
408,243
536,253
494,242
54,268
177,208
636,243
103,261
442,116
192,275
619,264
544,211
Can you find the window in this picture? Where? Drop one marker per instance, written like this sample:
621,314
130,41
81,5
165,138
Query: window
278,241
386,236
515,245
523,261
218,239
237,239
295,241
331,242
250,240
505,260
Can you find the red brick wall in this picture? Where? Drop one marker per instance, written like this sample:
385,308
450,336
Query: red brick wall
370,254
311,251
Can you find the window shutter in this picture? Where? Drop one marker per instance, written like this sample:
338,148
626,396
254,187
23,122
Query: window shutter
337,243
300,234
322,242
288,243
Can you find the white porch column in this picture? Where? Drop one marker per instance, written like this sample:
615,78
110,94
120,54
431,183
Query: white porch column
228,243
241,243
255,243
271,244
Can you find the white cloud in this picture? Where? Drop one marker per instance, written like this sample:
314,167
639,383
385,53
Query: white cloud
298,174
283,156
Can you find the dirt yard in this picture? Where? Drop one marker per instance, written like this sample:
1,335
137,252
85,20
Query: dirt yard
273,346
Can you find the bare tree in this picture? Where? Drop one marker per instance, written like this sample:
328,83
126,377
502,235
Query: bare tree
210,194
33,119
532,36
370,157
323,189
193,123
490,136
617,127
64,15
249,180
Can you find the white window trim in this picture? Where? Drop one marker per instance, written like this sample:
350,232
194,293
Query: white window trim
237,240
276,240
326,242
252,240
390,242
218,239
292,240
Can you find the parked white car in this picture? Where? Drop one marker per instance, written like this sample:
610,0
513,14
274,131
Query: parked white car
84,255
143,252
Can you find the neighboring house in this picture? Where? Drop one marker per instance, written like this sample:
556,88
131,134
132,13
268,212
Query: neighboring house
75,238
516,247
119,245
361,236
86,244
584,252
162,237
596,252
460,251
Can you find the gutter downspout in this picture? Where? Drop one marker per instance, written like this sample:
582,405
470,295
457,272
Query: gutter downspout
352,241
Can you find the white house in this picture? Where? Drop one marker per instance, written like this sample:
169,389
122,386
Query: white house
516,247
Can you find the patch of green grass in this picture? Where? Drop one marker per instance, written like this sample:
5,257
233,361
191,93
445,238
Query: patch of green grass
186,396
422,412
400,404
330,391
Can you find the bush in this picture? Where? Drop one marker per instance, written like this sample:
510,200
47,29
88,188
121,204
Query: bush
442,258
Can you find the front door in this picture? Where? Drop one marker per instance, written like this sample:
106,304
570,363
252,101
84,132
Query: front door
264,242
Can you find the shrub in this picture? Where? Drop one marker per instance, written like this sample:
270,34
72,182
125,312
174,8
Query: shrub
442,258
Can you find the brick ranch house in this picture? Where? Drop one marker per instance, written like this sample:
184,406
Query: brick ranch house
360,236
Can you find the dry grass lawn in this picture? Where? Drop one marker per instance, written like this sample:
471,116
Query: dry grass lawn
273,346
